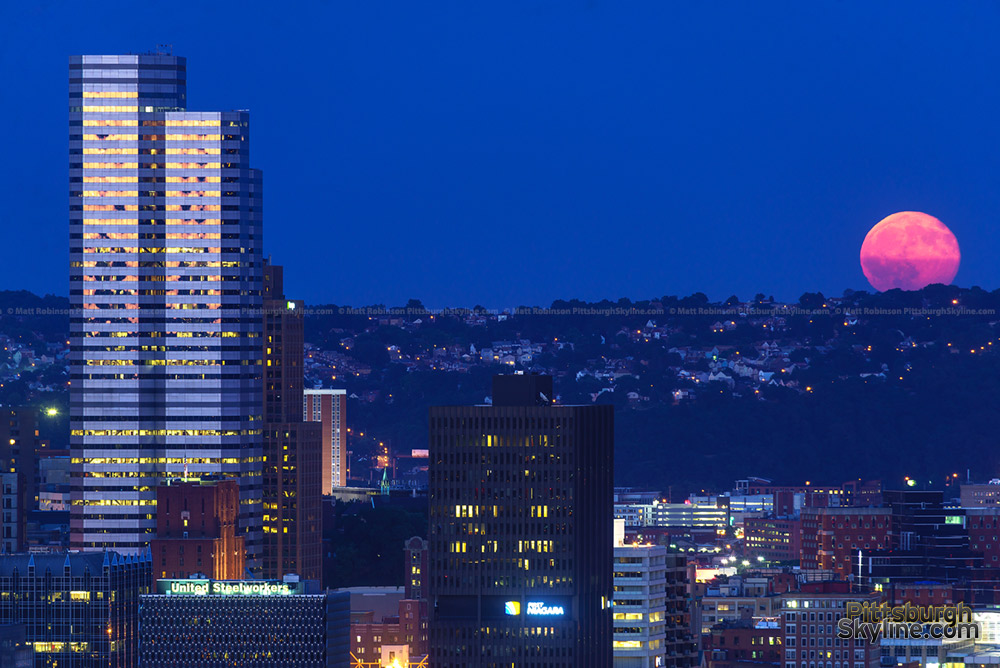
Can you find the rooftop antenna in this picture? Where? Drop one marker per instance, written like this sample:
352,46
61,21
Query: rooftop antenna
164,49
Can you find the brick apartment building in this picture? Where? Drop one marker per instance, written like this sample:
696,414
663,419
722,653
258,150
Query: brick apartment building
831,537
744,643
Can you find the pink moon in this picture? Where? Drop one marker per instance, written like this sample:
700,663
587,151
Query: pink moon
909,250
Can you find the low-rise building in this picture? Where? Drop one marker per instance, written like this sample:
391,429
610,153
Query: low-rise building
76,606
809,620
980,494
774,538
708,515
204,623
744,642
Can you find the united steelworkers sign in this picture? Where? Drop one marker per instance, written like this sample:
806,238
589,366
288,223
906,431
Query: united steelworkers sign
202,587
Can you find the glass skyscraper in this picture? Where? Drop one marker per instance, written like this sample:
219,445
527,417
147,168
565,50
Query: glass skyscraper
165,282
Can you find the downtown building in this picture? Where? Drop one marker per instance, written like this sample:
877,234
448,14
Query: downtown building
206,623
197,530
832,537
329,407
78,609
293,472
521,537
652,624
19,447
165,279
810,618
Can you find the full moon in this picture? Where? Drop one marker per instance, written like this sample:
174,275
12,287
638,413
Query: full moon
909,250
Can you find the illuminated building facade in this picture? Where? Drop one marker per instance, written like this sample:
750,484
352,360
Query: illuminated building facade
79,609
521,548
204,623
651,611
774,538
165,266
330,408
708,515
293,472
197,530
809,620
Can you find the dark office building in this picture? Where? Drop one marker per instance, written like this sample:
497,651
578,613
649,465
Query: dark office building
521,541
200,623
79,610
293,472
18,447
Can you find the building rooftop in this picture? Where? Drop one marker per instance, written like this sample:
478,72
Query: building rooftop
79,563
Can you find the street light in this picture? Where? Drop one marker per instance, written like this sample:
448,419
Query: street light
52,412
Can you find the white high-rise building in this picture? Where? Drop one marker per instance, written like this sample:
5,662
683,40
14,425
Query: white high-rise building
650,606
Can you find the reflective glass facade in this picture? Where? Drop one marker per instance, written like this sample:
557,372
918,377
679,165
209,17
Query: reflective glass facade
79,610
165,280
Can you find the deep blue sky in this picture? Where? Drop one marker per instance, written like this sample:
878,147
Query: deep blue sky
512,153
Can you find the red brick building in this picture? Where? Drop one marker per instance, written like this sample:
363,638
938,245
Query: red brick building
373,629
983,525
744,643
809,627
409,628
831,537
197,524
774,538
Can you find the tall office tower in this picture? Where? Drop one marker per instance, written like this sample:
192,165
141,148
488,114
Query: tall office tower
165,279
521,553
19,463
293,532
330,408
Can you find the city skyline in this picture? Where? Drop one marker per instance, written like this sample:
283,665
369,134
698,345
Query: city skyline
743,461
716,174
